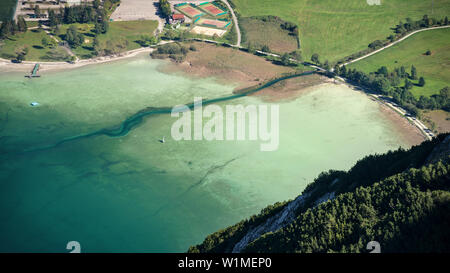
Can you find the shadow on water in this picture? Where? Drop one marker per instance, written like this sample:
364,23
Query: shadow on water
136,119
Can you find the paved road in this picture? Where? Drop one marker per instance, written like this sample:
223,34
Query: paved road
236,23
427,132
394,43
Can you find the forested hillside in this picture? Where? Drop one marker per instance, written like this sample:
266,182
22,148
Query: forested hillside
400,199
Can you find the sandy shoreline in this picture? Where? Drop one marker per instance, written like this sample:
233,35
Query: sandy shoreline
27,66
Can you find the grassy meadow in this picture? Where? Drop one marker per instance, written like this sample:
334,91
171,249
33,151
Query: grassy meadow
118,31
32,39
85,50
337,28
435,68
277,39
130,31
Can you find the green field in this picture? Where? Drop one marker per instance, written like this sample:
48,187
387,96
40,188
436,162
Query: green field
85,51
130,31
277,39
7,9
338,28
32,39
118,31
434,68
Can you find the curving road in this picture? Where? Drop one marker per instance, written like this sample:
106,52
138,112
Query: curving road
235,22
394,43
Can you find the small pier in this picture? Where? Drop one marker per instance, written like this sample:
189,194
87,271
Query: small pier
33,74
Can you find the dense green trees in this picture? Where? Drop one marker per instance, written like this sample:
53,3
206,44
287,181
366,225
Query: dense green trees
37,11
21,24
285,59
101,27
291,27
44,42
413,73
81,14
175,51
265,48
165,8
405,213
73,37
96,14
147,40
96,4
315,58
376,44
53,19
421,82
389,83
8,28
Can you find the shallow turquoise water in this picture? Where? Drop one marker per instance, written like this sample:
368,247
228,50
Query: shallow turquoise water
134,194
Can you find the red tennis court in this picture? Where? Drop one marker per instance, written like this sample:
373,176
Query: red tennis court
212,9
189,11
213,23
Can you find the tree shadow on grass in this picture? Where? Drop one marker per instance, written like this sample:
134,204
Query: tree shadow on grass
38,47
11,39
90,48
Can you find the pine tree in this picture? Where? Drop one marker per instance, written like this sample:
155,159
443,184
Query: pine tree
21,24
413,73
285,59
315,58
408,84
7,28
421,81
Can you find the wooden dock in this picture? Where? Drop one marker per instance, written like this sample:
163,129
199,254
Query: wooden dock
33,73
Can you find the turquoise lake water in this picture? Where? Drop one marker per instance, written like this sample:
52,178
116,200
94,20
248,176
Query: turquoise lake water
134,194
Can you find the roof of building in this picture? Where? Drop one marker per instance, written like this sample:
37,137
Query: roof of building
177,16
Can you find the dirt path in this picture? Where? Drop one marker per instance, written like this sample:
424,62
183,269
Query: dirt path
67,49
236,23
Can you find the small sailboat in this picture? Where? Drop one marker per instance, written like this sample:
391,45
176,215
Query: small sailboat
163,140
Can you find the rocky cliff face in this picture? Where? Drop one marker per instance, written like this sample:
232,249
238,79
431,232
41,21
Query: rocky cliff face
272,224
279,220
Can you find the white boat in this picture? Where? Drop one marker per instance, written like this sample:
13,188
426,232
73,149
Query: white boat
163,140
34,103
